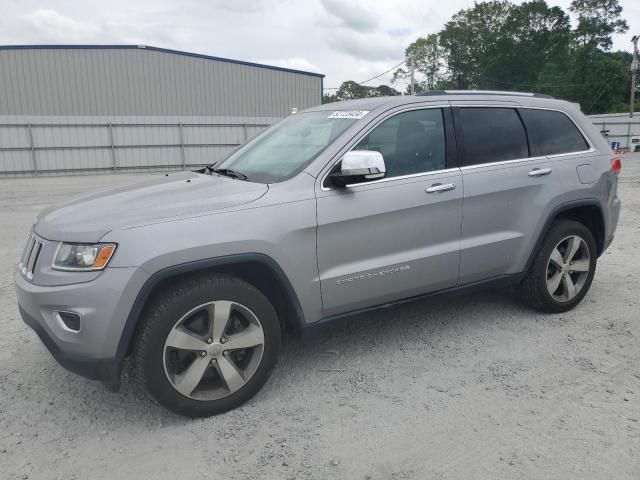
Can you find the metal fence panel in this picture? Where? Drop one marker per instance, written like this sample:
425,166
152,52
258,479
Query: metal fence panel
16,161
48,146
14,137
67,160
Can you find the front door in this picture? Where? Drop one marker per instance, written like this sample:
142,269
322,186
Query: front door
398,237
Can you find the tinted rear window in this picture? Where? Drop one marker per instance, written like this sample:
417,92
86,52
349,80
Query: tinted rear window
552,133
492,135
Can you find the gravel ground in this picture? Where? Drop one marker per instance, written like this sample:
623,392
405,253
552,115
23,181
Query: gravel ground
475,387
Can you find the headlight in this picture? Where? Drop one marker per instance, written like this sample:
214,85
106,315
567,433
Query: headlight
75,257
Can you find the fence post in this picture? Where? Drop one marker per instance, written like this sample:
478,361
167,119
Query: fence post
33,151
245,132
183,158
113,150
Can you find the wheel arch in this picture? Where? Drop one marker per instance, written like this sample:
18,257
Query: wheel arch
262,271
588,212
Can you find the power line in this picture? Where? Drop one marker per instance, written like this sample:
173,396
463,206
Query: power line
369,79
383,73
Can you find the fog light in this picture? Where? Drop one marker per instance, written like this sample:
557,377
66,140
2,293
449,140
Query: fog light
69,321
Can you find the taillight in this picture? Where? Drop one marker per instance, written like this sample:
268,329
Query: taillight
616,165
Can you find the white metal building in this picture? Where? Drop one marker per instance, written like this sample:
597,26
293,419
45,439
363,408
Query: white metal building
619,127
103,108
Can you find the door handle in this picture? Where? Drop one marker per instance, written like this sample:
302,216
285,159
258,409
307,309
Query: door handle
439,187
539,172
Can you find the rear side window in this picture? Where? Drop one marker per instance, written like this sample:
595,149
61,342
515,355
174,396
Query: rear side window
492,135
552,133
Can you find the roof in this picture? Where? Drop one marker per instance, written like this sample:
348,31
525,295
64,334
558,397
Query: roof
156,49
513,98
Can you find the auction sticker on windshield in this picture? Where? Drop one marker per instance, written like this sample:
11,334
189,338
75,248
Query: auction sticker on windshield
355,114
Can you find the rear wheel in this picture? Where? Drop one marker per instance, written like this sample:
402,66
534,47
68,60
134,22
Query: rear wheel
563,269
208,345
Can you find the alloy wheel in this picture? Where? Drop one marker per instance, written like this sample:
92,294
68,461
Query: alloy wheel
568,268
213,350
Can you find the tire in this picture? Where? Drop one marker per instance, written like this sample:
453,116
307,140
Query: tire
168,362
544,271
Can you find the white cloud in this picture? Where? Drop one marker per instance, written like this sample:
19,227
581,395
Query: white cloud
373,46
296,63
344,39
352,15
51,25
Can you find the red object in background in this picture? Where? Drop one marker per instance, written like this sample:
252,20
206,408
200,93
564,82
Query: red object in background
616,165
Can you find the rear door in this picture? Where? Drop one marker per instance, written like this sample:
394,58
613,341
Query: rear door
506,188
397,237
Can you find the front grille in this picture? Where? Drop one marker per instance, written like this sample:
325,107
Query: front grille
29,258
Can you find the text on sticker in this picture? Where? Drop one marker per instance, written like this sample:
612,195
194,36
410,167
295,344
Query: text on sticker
355,114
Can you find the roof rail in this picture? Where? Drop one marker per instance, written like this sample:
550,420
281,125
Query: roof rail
484,92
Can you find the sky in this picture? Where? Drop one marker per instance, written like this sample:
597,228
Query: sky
343,39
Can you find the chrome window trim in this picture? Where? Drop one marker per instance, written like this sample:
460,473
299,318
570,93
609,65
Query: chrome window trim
591,148
468,167
400,177
365,132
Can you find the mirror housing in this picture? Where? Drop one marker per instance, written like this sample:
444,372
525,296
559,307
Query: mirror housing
359,166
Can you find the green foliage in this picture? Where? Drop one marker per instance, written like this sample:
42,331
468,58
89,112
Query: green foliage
470,42
498,45
428,58
597,21
351,90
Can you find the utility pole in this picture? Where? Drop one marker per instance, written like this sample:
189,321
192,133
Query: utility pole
634,71
412,69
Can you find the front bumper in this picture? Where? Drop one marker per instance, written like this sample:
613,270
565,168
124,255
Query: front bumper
104,369
103,303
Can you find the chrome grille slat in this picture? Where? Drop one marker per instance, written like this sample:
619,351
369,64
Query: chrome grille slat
30,256
27,251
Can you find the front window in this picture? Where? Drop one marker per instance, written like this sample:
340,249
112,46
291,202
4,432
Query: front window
287,147
410,142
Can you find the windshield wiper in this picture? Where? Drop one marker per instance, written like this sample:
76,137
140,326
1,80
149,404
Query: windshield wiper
227,172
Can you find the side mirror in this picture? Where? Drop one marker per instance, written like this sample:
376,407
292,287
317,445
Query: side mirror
359,166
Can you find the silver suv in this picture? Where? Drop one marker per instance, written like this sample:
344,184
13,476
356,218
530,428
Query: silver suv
333,211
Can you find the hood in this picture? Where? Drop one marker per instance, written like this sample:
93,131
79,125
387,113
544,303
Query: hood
88,218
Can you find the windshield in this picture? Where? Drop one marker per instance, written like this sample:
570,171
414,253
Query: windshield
287,147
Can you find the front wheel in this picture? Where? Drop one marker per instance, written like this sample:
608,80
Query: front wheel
563,269
207,345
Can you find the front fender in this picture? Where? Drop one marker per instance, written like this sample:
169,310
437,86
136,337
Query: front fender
154,280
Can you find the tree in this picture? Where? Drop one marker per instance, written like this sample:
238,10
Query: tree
428,62
498,45
532,36
597,77
597,21
351,90
469,42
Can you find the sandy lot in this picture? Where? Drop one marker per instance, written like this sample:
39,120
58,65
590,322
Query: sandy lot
472,388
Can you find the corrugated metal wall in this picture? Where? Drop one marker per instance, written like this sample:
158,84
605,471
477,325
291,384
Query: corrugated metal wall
618,127
98,108
55,145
